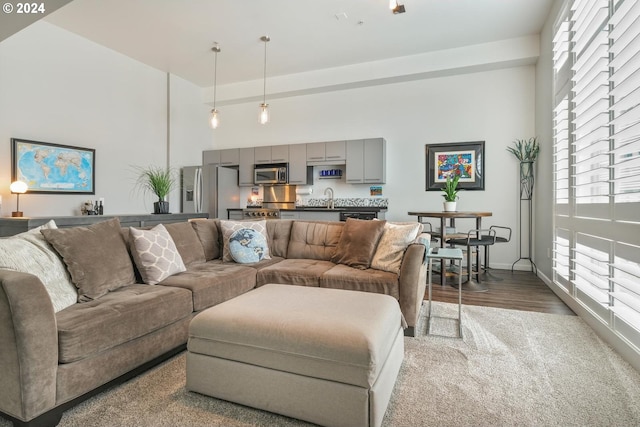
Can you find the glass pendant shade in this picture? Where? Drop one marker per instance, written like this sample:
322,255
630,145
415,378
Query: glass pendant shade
263,117
215,120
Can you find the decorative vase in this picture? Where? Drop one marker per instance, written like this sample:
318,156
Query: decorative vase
161,207
526,180
450,206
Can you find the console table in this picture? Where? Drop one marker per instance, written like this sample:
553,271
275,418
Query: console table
10,226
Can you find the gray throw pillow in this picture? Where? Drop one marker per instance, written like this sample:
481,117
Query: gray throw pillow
96,257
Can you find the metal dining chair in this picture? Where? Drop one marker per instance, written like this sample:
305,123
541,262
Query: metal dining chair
475,239
503,235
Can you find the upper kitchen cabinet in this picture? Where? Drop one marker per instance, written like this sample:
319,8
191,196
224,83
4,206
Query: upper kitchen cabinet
272,154
299,172
245,169
366,161
332,152
230,157
211,157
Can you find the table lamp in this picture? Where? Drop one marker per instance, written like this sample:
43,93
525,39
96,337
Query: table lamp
18,187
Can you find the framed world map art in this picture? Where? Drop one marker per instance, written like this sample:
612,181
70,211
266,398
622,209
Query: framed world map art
53,168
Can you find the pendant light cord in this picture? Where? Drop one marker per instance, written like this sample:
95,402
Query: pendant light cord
264,88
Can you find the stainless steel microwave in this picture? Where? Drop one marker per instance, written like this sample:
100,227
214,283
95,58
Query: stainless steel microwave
271,174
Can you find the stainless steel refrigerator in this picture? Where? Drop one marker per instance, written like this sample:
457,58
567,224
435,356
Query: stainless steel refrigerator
210,188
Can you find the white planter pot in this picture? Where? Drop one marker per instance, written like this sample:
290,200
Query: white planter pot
450,206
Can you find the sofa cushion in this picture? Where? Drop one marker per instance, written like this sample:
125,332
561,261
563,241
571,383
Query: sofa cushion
155,254
314,239
358,242
29,252
96,257
120,316
304,272
208,232
370,280
213,282
279,233
392,244
186,241
230,227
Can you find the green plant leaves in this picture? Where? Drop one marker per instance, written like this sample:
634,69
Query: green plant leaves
525,150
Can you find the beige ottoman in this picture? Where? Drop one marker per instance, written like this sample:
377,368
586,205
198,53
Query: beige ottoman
326,356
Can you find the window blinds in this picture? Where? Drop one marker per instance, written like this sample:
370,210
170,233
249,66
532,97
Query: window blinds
596,122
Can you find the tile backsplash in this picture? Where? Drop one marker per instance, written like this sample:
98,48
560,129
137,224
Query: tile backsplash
353,202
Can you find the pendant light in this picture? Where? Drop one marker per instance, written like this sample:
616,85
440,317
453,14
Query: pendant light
263,117
214,120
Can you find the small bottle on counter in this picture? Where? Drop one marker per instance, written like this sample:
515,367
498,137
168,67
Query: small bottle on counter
100,208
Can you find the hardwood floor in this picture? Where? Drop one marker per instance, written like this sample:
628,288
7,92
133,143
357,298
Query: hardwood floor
520,290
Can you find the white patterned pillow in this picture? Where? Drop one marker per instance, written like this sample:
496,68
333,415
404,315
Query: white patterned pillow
29,252
392,244
155,254
231,227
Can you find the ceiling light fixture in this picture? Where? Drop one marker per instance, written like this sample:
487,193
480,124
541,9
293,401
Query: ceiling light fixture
263,118
215,121
395,7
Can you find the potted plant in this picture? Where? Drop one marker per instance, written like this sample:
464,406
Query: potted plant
450,195
159,181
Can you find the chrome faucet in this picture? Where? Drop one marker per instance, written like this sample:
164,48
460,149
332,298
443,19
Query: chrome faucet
330,204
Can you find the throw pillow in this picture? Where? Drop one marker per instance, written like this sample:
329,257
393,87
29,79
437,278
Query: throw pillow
393,243
30,253
96,257
230,227
209,236
155,254
247,246
186,240
358,243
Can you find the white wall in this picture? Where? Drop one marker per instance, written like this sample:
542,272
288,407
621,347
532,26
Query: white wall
58,87
494,106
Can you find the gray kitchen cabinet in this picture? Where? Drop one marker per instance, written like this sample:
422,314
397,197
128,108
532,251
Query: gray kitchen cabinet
375,161
272,154
299,172
211,157
235,214
319,215
366,161
331,151
262,155
335,150
289,215
279,153
355,162
230,157
315,151
245,170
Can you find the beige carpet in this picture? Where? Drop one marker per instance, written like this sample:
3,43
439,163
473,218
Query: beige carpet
512,368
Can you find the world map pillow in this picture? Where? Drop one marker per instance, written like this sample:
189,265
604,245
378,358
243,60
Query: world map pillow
155,254
248,240
29,252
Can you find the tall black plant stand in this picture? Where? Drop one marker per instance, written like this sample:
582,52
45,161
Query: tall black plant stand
526,207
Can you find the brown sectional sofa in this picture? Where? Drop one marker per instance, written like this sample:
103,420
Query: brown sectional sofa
52,361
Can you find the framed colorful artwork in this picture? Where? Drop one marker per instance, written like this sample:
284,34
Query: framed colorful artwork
465,159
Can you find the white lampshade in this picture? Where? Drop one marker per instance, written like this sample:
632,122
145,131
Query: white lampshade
18,187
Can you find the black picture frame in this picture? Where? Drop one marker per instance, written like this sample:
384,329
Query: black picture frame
50,168
464,158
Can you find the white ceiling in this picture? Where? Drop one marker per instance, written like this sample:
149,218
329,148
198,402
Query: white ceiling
176,36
